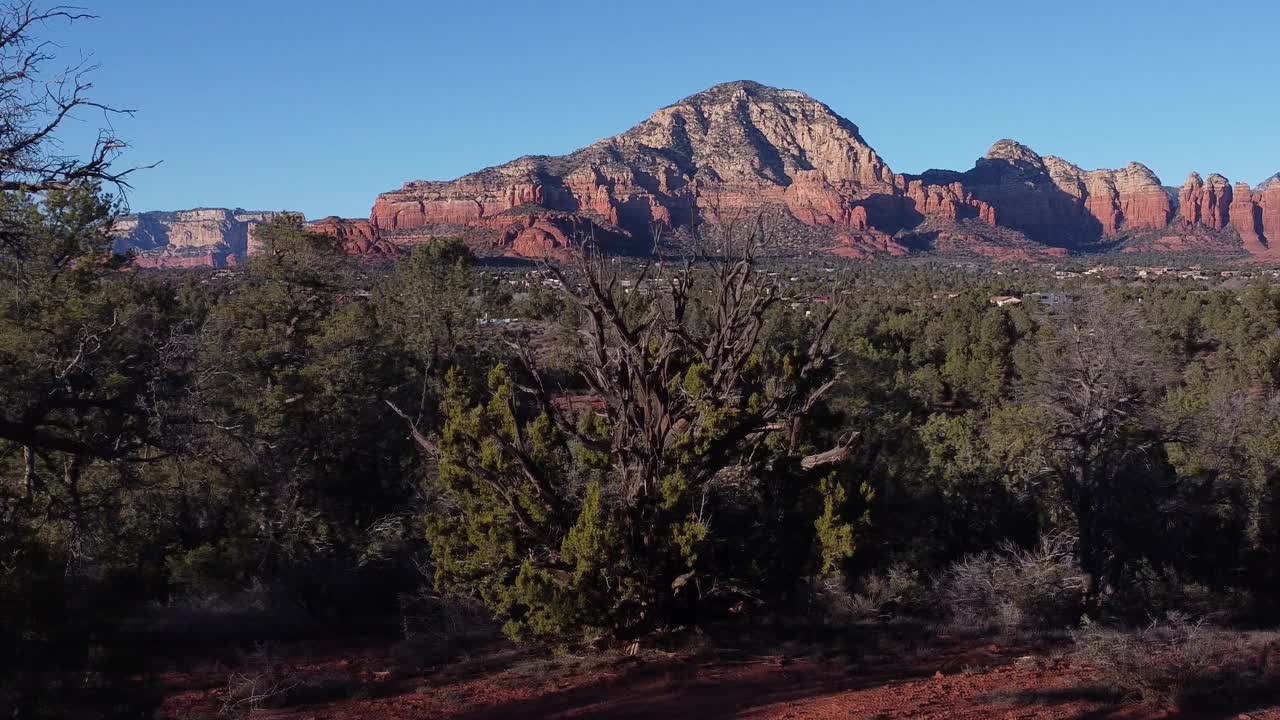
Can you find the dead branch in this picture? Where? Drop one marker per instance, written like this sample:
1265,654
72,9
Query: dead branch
36,103
427,445
636,345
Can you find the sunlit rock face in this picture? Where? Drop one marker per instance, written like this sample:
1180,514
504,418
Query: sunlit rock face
733,149
741,148
203,237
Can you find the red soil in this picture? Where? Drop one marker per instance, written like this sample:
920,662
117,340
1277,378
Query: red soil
983,682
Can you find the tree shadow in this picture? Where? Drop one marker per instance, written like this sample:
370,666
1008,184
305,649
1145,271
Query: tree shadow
728,682
1109,699
676,691
1210,697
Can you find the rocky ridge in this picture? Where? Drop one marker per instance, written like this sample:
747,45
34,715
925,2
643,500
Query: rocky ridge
741,147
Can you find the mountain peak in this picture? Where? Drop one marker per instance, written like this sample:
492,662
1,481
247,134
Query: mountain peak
746,132
1012,151
1010,160
742,146
742,89
1273,180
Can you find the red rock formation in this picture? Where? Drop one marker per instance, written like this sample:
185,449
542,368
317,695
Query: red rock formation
950,201
1128,199
868,244
1215,205
736,147
814,200
1246,217
1205,203
343,228
357,236
1055,202
858,218
545,234
1267,197
742,147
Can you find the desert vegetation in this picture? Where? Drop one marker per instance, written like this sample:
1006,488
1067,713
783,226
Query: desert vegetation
659,453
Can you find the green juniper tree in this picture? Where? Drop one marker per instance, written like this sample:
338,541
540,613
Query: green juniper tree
687,475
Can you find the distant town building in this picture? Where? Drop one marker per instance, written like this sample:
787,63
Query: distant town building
1051,299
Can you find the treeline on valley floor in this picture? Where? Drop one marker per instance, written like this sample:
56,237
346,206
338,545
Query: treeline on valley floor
321,440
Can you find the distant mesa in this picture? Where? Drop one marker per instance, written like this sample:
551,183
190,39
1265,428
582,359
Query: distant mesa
202,237
742,147
219,237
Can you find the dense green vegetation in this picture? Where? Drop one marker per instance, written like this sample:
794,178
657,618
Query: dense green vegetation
328,437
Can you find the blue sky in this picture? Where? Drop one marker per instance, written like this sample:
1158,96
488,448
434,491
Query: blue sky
318,105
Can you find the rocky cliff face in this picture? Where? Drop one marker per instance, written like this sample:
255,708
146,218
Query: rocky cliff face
1267,198
741,147
1054,202
1216,204
1131,198
356,235
203,237
1205,203
735,148
738,146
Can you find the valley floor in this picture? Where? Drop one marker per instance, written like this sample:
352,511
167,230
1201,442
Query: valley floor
945,680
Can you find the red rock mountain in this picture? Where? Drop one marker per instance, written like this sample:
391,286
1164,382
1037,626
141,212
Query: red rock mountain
735,147
741,146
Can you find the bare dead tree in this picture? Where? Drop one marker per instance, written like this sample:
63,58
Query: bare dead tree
1098,383
38,98
637,350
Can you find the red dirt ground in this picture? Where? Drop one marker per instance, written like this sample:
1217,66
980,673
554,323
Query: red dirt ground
973,682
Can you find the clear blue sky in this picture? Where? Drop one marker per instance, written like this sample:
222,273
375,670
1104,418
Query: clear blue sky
318,105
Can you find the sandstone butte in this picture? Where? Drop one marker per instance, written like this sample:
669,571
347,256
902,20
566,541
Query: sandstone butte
741,147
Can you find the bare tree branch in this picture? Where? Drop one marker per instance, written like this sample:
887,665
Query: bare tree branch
36,103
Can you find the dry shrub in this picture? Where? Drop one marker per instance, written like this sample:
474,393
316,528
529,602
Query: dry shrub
439,627
1178,661
896,592
1012,589
251,690
1147,591
264,683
